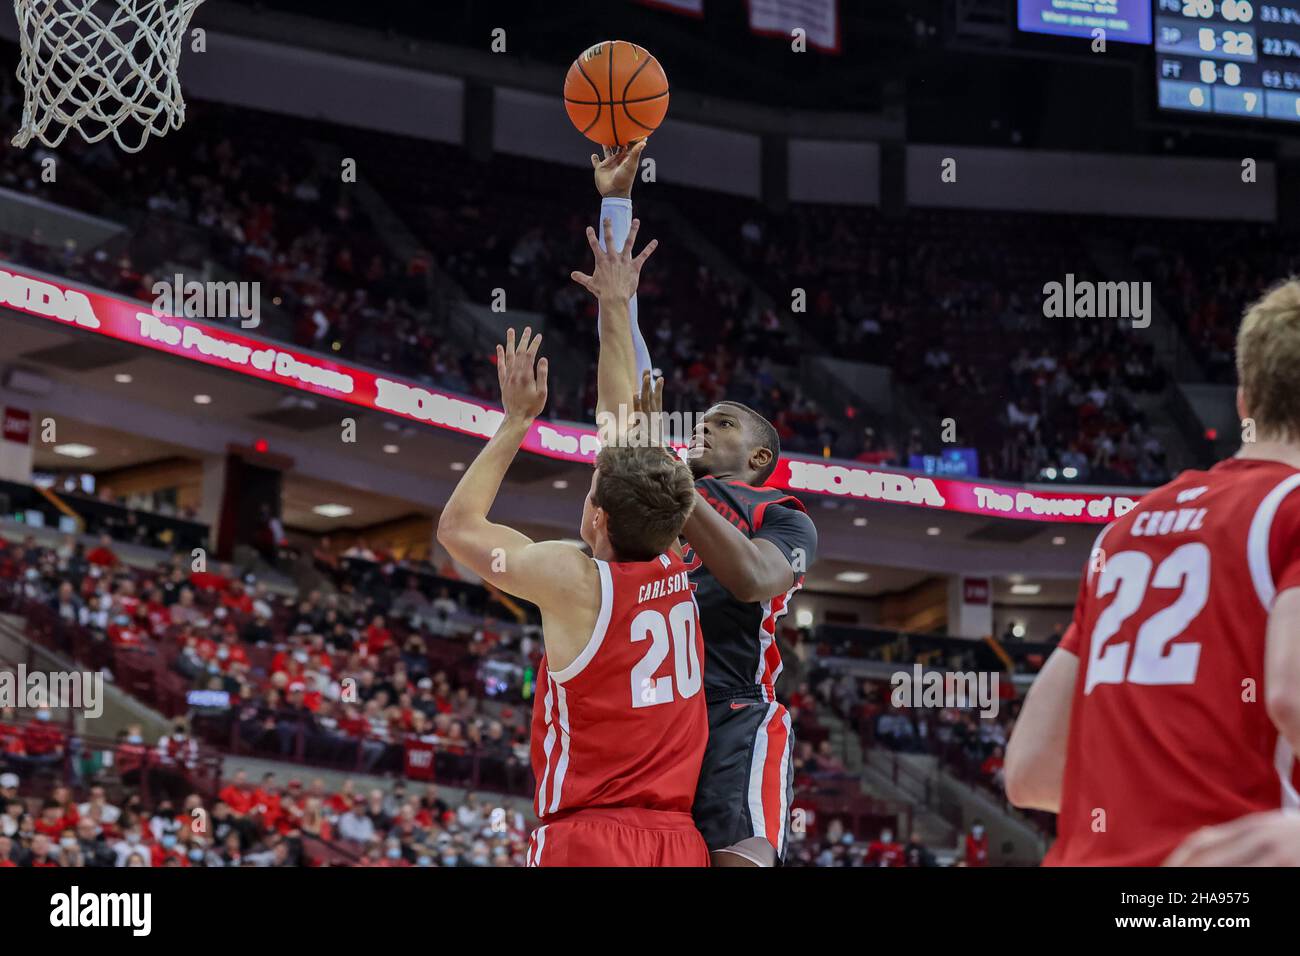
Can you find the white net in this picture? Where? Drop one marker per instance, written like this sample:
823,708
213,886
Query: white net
101,67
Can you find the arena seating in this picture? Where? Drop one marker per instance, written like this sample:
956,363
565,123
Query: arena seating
935,294
440,670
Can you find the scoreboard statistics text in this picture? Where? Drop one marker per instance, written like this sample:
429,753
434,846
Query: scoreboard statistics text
1229,57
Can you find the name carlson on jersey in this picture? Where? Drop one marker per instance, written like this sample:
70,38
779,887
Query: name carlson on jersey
681,581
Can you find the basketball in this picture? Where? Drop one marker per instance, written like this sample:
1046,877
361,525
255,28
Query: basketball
616,92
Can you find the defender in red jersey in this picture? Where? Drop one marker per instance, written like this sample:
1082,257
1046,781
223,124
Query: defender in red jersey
1173,702
619,733
619,724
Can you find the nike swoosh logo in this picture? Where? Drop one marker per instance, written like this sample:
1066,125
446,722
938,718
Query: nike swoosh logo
737,704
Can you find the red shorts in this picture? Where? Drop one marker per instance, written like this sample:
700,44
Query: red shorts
618,837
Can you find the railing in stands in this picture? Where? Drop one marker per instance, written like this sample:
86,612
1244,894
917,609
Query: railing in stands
288,737
75,759
106,517
905,647
255,731
965,769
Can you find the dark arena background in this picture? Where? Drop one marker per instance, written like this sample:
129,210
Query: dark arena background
981,264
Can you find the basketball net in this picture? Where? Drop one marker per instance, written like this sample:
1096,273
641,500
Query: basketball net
101,67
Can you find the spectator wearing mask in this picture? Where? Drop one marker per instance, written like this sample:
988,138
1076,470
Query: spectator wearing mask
132,845
885,851
977,845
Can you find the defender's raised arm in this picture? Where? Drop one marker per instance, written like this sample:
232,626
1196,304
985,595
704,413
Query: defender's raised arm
613,282
541,572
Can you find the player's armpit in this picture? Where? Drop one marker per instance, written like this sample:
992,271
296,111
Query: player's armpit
1035,759
547,573
1282,666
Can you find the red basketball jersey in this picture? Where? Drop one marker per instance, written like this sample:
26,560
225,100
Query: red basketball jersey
1169,730
625,725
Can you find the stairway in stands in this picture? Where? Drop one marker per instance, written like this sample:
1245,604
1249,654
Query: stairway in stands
930,826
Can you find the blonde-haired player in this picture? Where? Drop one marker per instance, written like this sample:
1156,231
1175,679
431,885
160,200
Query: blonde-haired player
1173,702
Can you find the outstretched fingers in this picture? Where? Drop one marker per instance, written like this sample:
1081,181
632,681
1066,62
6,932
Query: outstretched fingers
641,400
609,235
631,238
646,253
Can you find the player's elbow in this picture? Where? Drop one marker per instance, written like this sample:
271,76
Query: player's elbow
1030,793
1020,791
766,578
450,530
1016,780
1023,778
747,586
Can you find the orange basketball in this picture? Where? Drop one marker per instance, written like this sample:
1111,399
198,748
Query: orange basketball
615,93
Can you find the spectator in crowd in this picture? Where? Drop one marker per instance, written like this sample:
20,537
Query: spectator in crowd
915,854
103,555
977,845
886,851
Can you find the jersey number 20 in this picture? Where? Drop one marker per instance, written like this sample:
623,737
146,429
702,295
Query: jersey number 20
1154,662
646,689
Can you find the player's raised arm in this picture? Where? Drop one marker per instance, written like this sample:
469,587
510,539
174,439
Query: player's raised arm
613,281
615,176
546,573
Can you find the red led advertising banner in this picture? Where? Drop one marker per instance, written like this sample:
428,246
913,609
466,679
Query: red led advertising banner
229,349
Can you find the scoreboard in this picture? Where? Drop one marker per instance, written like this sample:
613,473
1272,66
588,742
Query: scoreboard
1229,57
1124,21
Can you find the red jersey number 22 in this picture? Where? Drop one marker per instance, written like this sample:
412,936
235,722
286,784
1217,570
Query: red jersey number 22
1129,574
